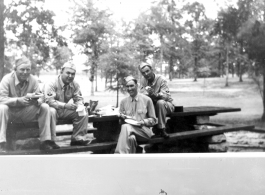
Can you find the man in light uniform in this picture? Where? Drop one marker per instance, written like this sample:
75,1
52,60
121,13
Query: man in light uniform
58,94
156,88
140,108
15,105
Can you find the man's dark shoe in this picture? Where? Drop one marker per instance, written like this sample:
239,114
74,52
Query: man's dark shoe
3,147
46,145
54,145
80,143
164,134
139,150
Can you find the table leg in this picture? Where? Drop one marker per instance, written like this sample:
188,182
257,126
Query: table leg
107,131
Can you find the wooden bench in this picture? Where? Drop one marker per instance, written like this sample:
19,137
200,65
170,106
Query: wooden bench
16,131
107,147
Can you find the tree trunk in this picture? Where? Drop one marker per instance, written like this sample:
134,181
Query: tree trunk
263,98
96,77
227,65
233,69
240,73
239,64
195,68
161,54
106,81
170,68
117,103
2,41
92,88
220,64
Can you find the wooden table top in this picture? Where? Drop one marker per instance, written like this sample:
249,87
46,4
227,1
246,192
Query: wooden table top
187,111
204,110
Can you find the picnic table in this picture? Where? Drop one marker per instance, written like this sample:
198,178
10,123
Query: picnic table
108,126
181,126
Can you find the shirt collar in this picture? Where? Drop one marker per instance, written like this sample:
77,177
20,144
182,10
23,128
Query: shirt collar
16,79
154,81
62,83
135,98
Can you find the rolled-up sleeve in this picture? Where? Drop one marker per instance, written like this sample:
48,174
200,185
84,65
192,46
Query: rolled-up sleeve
151,119
50,94
4,94
164,93
77,96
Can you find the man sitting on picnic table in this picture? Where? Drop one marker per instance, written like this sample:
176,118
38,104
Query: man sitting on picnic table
15,105
155,86
140,108
58,94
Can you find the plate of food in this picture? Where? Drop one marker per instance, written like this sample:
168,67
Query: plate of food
132,122
34,95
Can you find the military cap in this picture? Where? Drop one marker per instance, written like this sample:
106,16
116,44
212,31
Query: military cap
130,78
69,64
142,65
22,60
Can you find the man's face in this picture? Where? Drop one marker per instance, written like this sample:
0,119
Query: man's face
23,72
68,75
147,72
131,87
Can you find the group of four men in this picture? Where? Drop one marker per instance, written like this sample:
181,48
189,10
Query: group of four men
62,97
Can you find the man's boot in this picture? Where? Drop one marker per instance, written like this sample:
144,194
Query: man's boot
164,134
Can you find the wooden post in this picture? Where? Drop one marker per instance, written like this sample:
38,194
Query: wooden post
2,40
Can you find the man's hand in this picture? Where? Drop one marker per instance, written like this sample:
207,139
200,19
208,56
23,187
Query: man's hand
141,122
24,101
70,106
150,91
122,116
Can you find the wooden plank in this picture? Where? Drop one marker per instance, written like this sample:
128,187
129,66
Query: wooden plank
103,118
34,124
257,130
65,150
201,133
69,132
204,110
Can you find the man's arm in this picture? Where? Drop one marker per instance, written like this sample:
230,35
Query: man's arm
77,96
151,119
164,93
50,94
4,94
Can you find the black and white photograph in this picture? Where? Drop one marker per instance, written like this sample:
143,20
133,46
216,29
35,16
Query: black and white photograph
132,97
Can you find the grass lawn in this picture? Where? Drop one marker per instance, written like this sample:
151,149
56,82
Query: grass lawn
204,92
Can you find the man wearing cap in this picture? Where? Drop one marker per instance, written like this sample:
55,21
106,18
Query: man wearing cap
58,94
15,105
156,88
140,108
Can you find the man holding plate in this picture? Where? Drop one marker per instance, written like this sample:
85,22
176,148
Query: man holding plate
19,101
139,114
64,97
155,87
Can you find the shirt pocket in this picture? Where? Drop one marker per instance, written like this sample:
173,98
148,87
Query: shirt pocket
142,112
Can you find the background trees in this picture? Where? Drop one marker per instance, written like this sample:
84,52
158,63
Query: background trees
2,40
175,36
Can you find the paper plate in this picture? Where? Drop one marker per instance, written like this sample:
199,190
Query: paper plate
35,96
132,122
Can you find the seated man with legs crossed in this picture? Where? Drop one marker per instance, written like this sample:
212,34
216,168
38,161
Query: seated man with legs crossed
155,86
140,108
58,94
15,105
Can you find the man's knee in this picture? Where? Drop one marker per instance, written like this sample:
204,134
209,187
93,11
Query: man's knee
132,138
53,111
160,102
45,107
126,128
4,109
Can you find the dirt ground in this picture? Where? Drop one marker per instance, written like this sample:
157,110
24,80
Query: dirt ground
204,92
